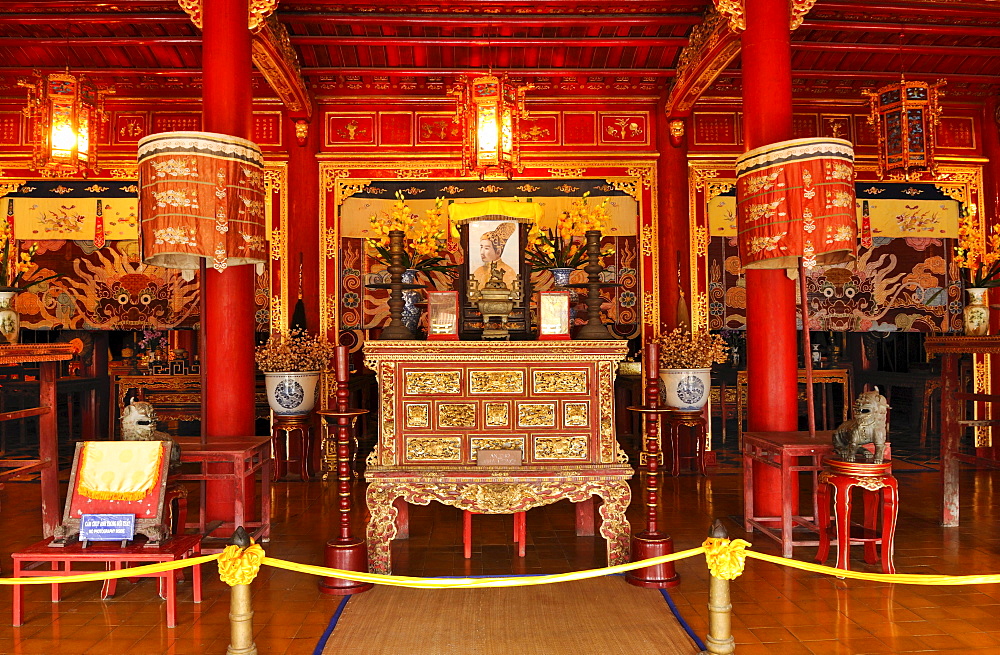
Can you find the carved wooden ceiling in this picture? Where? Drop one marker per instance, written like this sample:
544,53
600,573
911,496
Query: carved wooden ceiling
150,47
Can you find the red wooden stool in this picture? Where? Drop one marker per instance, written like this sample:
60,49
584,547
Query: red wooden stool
520,531
676,424
875,480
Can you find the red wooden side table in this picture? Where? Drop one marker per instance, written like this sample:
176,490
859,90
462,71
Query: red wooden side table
785,451
113,555
243,458
281,445
876,480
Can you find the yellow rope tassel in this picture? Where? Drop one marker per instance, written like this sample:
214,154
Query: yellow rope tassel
240,565
725,557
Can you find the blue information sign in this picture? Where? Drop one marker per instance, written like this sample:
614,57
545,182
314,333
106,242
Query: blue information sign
107,527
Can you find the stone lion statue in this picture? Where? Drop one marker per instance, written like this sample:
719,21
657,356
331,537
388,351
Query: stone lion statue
139,424
869,426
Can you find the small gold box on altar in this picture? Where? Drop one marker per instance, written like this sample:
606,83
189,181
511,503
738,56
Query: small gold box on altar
485,457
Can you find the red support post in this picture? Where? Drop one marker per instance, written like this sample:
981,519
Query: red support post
227,297
951,433
772,398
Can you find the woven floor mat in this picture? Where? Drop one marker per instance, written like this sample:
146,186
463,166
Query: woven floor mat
600,616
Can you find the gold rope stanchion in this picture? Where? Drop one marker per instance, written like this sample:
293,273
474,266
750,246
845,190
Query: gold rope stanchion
724,565
238,566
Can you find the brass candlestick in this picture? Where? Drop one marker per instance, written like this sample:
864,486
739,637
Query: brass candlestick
594,329
396,330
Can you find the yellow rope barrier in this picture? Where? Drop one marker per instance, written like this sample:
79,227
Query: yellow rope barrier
725,561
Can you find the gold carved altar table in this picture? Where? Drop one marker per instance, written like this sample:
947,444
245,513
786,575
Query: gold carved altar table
441,404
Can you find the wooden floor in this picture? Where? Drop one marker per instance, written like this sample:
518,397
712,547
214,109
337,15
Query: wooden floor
775,609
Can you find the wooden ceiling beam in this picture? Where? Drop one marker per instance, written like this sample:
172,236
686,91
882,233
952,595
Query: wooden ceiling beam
93,18
895,28
497,20
352,41
890,49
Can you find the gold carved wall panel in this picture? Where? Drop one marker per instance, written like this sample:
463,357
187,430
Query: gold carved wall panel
560,447
417,415
496,382
538,415
497,415
456,415
495,443
559,382
422,383
421,449
576,414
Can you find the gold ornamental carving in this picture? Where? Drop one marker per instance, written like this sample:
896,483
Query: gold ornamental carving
494,498
425,383
497,415
646,238
422,449
496,382
559,382
457,415
606,398
417,415
495,443
575,415
799,10
258,11
387,389
734,12
540,415
560,448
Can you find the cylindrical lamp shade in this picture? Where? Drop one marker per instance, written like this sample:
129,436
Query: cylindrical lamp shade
796,199
201,195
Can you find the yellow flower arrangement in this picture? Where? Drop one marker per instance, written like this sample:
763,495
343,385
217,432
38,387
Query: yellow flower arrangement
564,246
683,349
425,238
14,265
971,254
295,350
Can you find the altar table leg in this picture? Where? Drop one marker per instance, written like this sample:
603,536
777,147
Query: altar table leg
871,501
823,521
402,519
615,527
585,518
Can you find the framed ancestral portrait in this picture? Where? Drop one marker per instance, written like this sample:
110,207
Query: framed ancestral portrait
553,315
494,234
442,315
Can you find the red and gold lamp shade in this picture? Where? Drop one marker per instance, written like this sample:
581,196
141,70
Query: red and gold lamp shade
490,109
65,112
201,196
905,116
796,199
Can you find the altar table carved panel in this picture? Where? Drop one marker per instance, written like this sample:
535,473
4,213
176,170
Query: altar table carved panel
441,404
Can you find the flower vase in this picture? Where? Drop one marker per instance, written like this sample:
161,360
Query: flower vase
291,393
10,322
411,313
977,313
561,275
685,389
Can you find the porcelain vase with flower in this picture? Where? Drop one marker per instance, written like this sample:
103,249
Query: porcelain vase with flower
977,312
291,393
10,322
685,389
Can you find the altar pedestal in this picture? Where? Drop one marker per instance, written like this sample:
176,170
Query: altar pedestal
440,404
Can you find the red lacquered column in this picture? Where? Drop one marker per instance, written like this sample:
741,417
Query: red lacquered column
772,401
673,232
651,542
345,552
991,216
227,297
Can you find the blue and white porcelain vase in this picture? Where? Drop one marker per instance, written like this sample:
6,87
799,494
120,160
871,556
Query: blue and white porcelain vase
561,275
411,313
291,393
685,389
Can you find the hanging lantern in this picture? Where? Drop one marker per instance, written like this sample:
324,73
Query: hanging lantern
490,109
905,116
66,111
201,196
796,199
